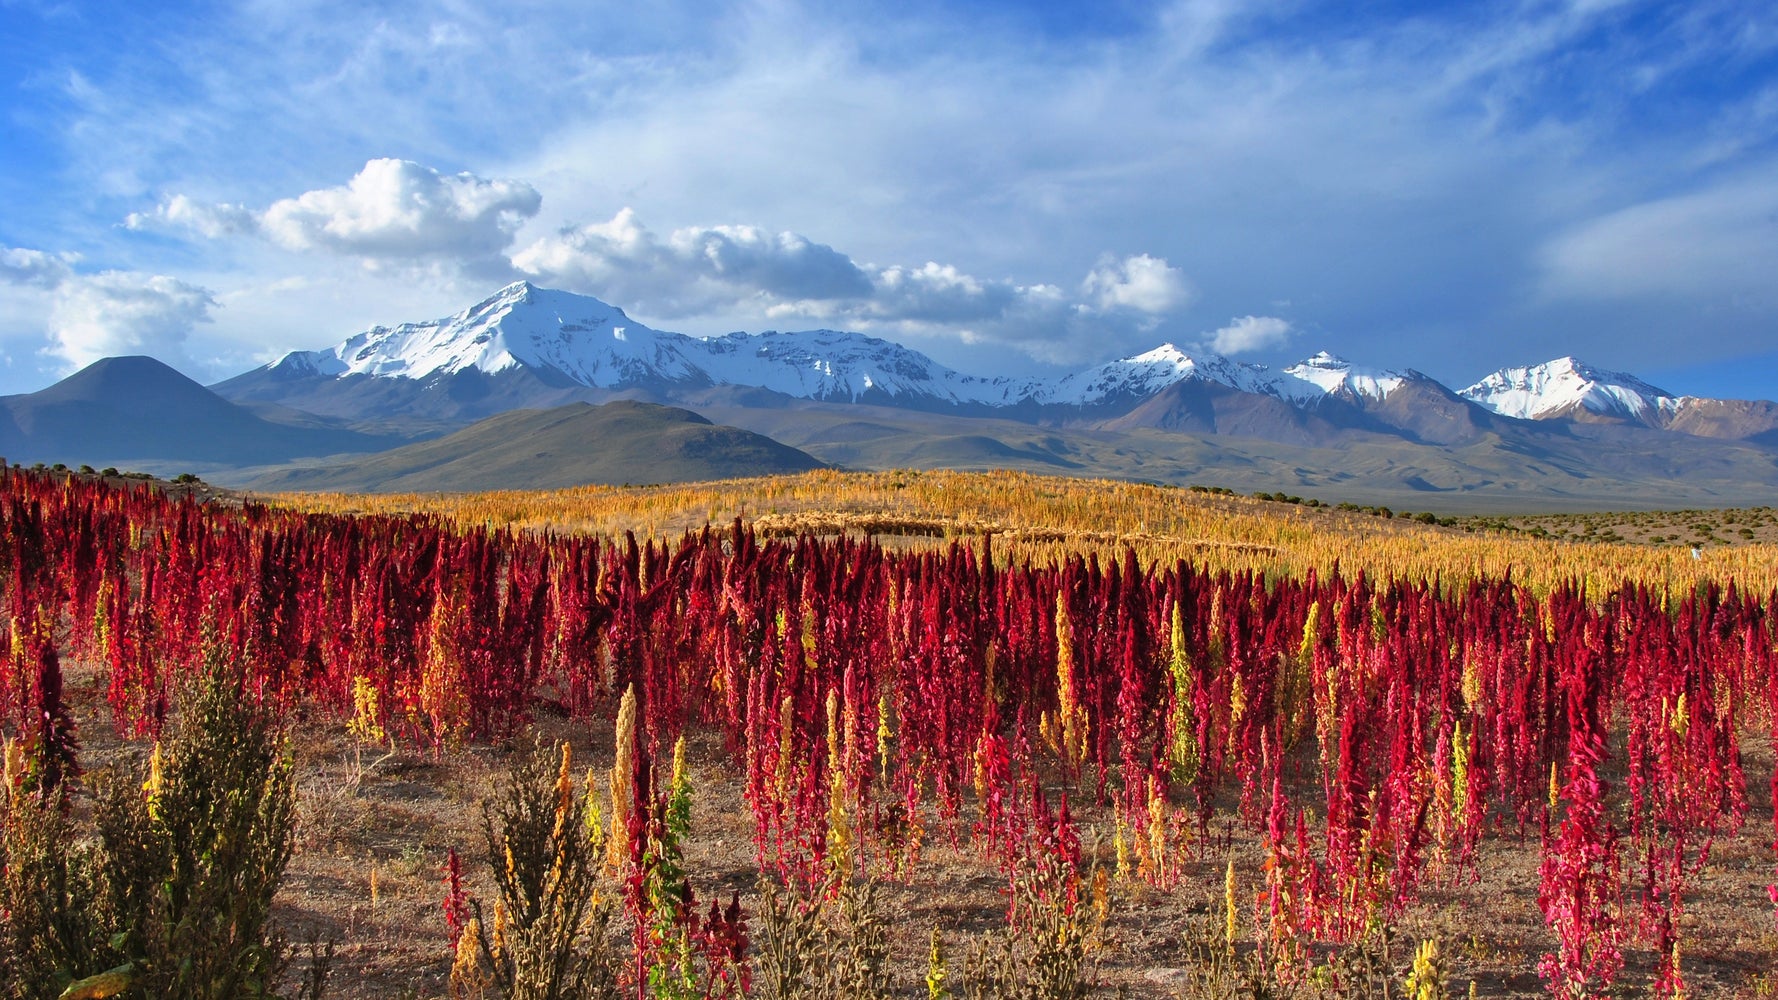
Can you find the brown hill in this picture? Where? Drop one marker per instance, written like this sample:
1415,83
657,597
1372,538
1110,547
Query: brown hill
1754,419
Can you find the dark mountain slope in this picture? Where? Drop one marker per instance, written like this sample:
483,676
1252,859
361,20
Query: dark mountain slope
434,404
132,409
578,444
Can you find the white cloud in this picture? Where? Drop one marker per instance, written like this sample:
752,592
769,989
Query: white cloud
392,212
694,268
1249,333
782,264
398,210
181,212
1142,283
1720,243
35,267
594,255
111,313
120,312
938,293
786,276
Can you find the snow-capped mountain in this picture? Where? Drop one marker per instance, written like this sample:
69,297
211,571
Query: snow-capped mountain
527,347
1566,387
1305,383
1324,375
521,326
1146,374
594,344
838,366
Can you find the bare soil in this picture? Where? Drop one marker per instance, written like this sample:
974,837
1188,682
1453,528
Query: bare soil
375,827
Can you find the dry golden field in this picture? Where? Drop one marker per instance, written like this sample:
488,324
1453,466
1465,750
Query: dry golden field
1043,518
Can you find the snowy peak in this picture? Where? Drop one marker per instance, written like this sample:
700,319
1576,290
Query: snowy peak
576,340
595,344
1567,387
838,366
584,341
520,325
1325,374
1304,383
1145,374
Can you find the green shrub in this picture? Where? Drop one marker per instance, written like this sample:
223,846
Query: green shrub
1045,954
546,939
821,947
172,897
47,923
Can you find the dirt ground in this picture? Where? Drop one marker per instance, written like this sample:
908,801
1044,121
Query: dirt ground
375,827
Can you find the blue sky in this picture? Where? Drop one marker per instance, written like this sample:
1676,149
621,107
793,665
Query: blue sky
1011,186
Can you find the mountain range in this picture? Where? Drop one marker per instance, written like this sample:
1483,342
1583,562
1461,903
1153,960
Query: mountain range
538,345
1558,433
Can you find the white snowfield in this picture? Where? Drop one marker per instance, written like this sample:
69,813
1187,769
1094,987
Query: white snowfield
596,345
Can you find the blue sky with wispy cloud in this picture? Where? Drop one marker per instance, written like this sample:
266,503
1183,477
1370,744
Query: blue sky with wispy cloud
1450,187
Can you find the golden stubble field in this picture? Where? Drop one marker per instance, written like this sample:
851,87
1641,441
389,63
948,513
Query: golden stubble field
1046,518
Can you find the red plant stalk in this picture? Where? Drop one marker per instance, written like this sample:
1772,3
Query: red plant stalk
1579,893
456,898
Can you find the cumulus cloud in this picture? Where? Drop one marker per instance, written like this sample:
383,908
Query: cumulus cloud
122,312
781,264
693,268
93,316
398,209
937,293
1118,299
787,276
392,212
1249,333
181,212
35,267
1141,283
